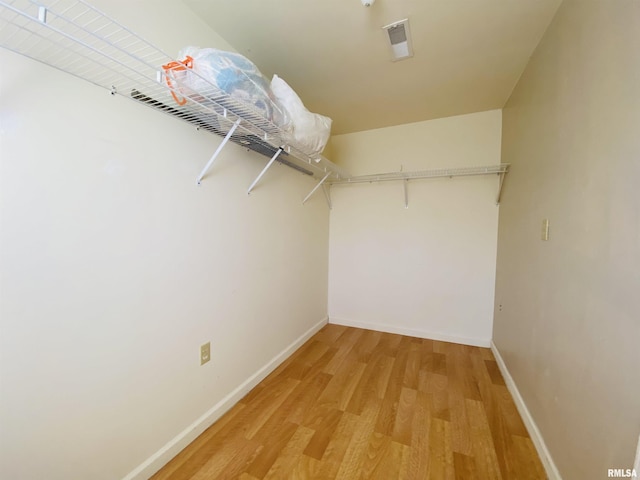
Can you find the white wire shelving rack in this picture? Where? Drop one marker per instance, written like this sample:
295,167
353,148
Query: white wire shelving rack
500,170
77,38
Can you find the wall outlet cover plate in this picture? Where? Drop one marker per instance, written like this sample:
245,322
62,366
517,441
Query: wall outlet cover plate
205,353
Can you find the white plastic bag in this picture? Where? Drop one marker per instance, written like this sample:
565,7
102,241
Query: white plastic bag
233,74
310,131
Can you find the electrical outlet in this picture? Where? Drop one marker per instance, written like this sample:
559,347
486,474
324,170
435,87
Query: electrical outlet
205,353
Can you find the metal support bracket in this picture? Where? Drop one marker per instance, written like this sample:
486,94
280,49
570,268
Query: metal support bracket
315,188
406,192
218,150
501,174
264,170
327,194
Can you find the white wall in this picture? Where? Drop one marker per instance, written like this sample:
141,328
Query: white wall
428,270
115,267
569,329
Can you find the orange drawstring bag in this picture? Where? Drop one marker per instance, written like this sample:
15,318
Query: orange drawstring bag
187,63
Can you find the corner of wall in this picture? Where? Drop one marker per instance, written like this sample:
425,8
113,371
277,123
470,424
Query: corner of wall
527,418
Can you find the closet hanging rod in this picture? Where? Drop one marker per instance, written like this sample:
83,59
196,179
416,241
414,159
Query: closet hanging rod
416,175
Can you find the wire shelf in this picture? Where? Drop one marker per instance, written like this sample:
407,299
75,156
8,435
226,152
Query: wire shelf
416,175
76,38
500,170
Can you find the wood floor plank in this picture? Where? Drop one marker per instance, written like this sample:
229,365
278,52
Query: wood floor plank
263,408
484,452
382,375
244,454
373,382
246,476
290,455
330,333
377,449
403,425
403,474
388,410
337,447
345,348
441,408
340,388
318,443
411,377
427,345
439,347
238,452
317,366
463,370
390,344
295,406
465,467
437,363
432,382
460,431
498,427
456,386
419,462
440,451
357,448
359,404
494,372
383,459
367,343
508,410
305,468
313,350
265,459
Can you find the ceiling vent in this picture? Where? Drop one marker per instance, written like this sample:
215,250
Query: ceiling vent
399,39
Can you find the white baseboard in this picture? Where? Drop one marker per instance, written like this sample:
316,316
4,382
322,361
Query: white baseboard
156,461
532,428
443,337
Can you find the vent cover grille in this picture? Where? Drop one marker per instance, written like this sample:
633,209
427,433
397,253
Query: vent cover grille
397,34
399,39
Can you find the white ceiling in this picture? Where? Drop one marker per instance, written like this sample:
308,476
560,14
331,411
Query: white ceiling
468,57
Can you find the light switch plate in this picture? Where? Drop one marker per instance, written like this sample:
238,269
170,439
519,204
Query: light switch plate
545,229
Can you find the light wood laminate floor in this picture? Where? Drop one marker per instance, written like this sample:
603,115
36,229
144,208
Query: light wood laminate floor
361,404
